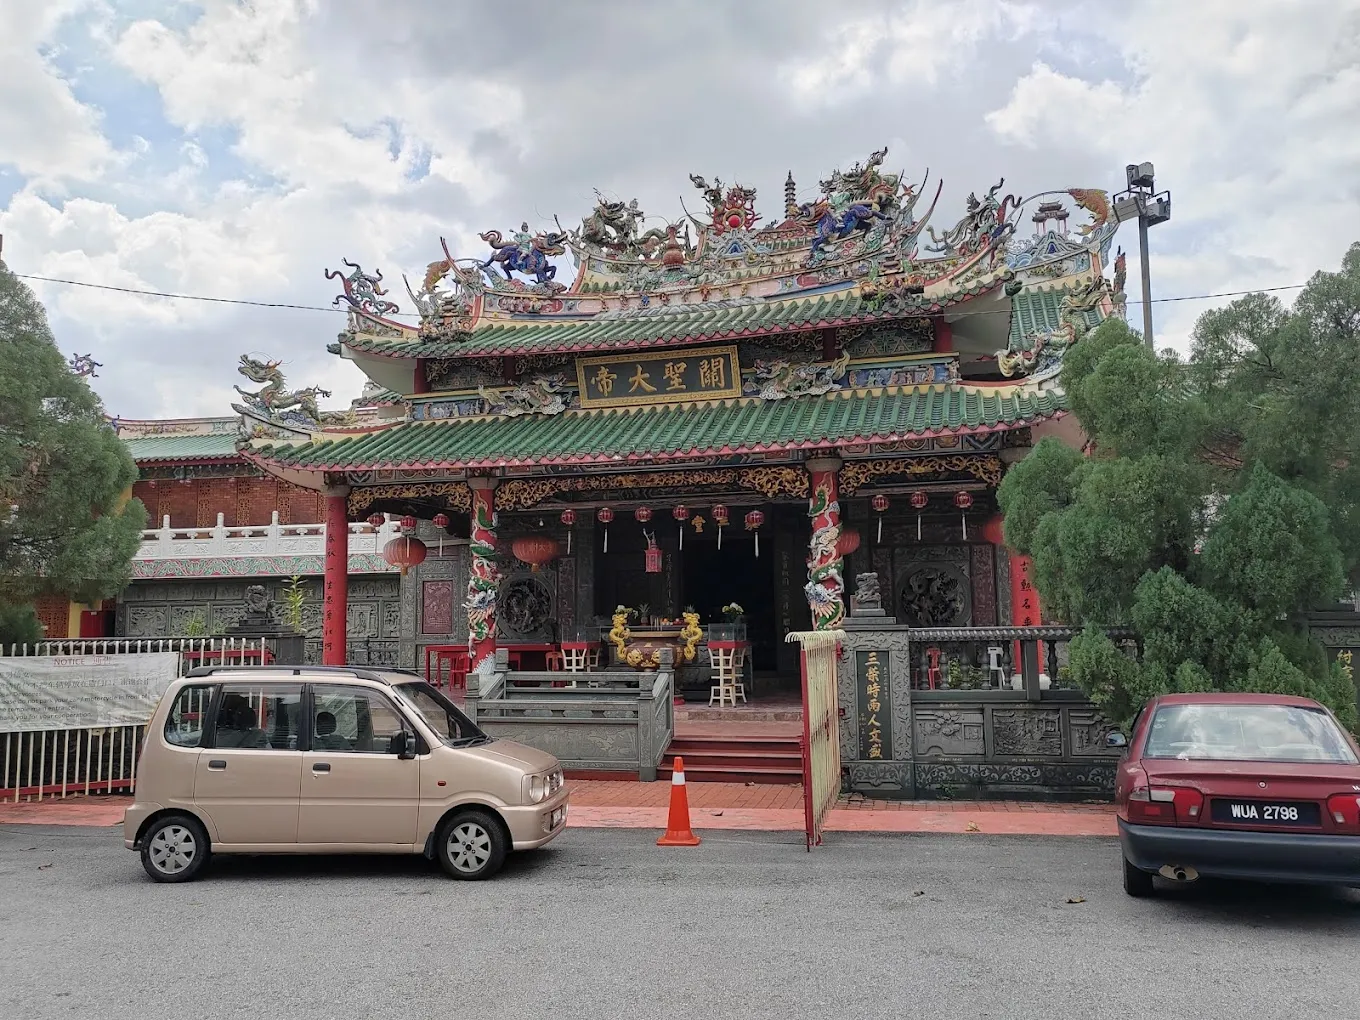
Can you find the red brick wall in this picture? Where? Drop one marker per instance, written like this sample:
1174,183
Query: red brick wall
246,501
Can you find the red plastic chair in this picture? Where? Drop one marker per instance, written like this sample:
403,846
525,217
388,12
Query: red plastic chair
933,667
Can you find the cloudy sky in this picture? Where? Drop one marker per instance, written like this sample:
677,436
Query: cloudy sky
236,149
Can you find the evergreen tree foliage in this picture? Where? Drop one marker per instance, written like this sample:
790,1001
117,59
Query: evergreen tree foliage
1220,500
66,527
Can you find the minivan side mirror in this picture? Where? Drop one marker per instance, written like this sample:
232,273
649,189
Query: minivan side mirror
1116,739
408,745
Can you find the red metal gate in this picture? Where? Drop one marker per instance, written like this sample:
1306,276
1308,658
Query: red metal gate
821,727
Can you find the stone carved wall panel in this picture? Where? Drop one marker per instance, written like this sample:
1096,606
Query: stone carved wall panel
1087,730
947,731
1027,731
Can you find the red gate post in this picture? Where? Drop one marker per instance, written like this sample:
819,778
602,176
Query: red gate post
335,591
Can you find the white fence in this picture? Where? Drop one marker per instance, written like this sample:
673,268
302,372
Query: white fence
100,759
273,539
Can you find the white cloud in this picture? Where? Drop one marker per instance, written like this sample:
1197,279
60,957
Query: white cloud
1248,112
45,132
915,44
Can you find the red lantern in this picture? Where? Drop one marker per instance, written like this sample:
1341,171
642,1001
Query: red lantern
568,519
404,552
681,514
848,542
919,500
754,519
652,556
880,504
441,521
408,523
604,515
963,499
536,550
376,521
642,514
720,518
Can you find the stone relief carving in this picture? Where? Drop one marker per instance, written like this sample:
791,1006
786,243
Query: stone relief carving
946,731
1027,731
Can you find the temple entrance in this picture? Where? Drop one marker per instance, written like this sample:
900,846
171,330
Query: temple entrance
711,578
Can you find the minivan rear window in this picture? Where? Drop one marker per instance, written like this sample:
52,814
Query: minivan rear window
1284,733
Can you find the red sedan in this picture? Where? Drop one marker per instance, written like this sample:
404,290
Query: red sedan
1243,786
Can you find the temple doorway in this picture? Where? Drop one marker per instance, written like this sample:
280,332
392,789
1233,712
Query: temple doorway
711,578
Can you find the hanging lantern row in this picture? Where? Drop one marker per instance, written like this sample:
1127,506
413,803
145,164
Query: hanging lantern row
536,550
642,514
681,515
754,519
919,499
404,552
880,504
720,518
568,519
604,515
963,499
408,524
847,543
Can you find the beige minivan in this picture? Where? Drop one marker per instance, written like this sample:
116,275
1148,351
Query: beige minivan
315,759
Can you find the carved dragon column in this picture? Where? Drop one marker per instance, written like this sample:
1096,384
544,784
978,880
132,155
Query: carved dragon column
825,588
484,576
335,590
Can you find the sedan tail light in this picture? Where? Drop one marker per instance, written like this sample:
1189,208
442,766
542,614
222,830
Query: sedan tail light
1345,810
1165,805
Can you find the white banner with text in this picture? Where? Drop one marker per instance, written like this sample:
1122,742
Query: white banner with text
69,692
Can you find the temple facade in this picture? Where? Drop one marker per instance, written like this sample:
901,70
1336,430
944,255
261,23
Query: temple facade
754,419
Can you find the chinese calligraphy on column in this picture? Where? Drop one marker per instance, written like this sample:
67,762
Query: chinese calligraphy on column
875,705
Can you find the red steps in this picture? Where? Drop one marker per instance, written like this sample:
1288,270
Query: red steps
736,758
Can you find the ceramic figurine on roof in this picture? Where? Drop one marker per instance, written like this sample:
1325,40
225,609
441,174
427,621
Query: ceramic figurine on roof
854,204
543,394
734,209
1040,354
776,380
526,253
274,405
986,224
84,366
363,291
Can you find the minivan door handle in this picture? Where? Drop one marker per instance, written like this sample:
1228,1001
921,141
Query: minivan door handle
321,766
217,765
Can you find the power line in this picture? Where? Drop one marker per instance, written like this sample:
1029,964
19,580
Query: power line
323,308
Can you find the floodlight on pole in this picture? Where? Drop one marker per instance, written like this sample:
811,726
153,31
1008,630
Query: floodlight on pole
1142,202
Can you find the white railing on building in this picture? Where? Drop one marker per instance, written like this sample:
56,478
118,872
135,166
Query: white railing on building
273,539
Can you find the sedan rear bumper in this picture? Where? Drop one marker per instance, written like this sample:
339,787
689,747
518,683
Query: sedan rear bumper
1259,856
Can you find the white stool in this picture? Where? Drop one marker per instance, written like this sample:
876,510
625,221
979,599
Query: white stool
995,672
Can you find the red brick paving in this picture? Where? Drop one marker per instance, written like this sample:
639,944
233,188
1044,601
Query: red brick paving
611,804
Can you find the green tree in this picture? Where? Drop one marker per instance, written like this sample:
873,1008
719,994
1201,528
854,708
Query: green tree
1220,502
65,526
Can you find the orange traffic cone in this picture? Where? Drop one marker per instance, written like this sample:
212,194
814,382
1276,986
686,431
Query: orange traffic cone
678,832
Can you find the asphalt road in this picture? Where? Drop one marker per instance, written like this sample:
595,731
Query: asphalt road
604,924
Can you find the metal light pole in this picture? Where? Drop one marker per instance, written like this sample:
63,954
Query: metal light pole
1141,202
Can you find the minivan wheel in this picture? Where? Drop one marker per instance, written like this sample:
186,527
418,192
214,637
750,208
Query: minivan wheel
472,845
1136,883
175,848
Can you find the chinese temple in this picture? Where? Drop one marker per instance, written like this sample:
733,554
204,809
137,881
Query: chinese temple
744,416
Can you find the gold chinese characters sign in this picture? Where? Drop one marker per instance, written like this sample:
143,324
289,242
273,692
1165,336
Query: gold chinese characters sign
663,377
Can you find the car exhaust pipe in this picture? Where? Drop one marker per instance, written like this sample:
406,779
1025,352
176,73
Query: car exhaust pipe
1178,873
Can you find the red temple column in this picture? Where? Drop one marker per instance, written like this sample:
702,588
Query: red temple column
825,588
335,591
484,577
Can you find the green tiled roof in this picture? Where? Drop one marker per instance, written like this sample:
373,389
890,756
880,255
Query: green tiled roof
1036,311
149,448
686,325
678,430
